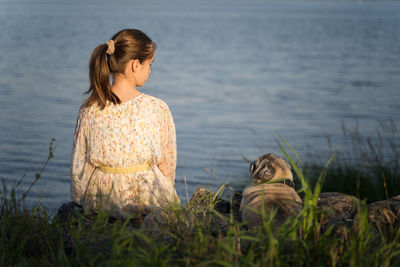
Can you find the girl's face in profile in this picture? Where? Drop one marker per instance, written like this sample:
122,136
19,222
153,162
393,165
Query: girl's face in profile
143,72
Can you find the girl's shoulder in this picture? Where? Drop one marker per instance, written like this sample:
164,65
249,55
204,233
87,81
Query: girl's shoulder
85,110
156,104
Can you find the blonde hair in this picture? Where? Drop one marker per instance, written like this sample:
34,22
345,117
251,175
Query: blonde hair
128,44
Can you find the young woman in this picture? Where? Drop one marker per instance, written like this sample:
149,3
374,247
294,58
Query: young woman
124,152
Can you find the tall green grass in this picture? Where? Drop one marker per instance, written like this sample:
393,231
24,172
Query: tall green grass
25,233
364,166
188,236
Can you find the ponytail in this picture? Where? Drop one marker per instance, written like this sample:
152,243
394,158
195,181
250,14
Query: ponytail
99,77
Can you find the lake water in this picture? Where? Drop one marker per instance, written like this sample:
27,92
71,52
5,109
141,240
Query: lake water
232,72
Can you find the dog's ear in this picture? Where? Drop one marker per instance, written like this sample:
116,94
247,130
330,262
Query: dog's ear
262,170
252,167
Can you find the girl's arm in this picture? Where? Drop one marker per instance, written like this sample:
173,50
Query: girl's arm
80,169
168,146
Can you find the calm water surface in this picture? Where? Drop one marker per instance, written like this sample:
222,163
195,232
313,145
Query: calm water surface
232,73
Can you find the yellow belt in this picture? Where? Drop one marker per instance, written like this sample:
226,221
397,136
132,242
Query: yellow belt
122,170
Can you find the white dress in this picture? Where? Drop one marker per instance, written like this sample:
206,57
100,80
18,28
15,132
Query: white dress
135,133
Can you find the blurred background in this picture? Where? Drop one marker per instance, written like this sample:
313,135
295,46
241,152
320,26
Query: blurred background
233,72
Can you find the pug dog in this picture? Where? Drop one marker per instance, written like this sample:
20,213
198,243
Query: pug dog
271,188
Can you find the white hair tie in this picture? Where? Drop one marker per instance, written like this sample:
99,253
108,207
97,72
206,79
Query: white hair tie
110,47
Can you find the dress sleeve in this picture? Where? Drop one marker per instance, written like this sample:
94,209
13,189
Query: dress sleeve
167,163
80,168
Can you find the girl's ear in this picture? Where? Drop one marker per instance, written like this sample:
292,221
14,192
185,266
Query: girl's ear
135,65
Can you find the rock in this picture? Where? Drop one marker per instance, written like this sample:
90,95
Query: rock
338,209
386,212
338,205
201,206
396,198
68,214
201,199
204,199
198,211
160,224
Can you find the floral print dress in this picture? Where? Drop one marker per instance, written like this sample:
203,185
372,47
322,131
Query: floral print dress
137,132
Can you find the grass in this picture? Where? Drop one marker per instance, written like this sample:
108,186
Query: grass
367,167
189,236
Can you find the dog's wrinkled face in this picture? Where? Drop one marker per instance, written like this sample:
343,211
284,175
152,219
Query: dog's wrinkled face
268,167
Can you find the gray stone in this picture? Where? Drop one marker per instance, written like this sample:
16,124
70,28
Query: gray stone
385,213
337,209
162,225
209,210
396,198
337,205
204,199
68,213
